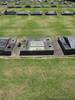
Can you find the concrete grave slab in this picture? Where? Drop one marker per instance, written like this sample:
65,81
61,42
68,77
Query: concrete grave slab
67,44
37,47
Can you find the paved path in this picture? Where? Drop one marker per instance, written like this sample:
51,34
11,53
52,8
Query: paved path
57,49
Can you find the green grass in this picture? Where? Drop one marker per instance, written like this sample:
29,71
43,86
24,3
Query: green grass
34,26
37,79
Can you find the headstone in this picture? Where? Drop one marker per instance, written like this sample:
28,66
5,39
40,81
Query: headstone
50,13
36,13
12,12
37,47
67,44
6,46
67,13
22,13
27,6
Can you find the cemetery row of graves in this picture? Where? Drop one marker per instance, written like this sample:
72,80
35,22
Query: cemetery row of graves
64,45
32,2
41,6
37,4
37,13
38,46
36,7
38,10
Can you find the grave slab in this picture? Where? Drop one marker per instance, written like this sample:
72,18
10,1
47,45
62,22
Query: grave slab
37,47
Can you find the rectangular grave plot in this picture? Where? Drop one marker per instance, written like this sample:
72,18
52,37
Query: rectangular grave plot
37,47
36,13
66,13
68,45
3,43
6,46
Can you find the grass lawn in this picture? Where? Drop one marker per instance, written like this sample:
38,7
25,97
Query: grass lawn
37,79
37,26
